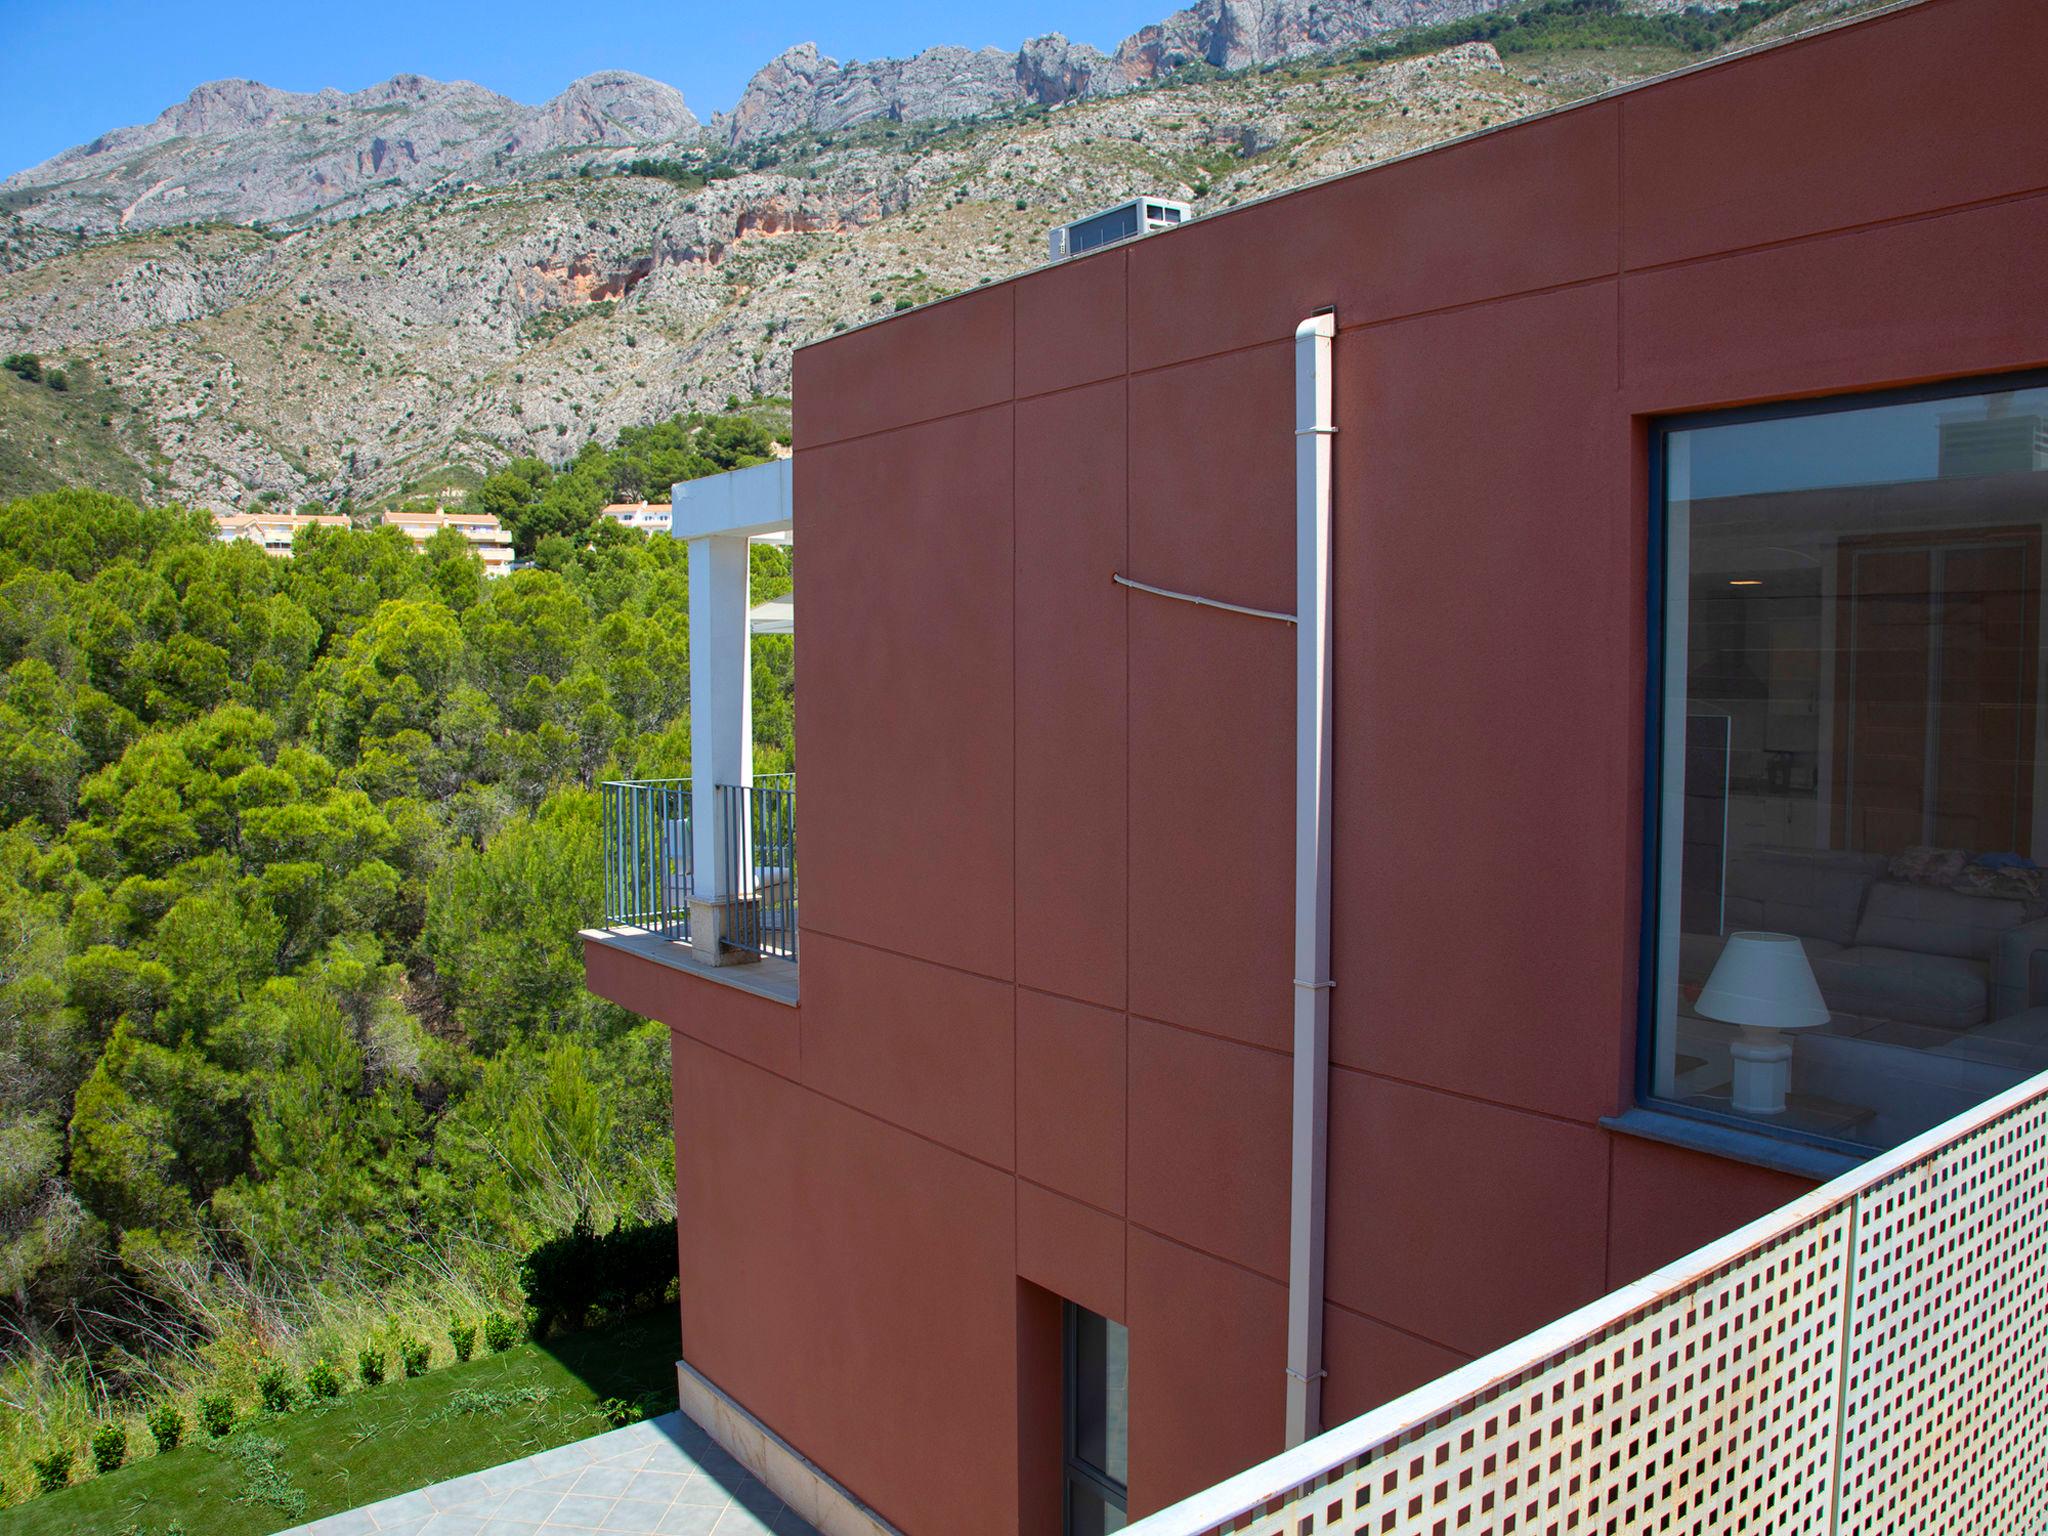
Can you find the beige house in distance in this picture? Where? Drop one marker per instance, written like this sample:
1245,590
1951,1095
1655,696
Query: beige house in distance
484,532
272,532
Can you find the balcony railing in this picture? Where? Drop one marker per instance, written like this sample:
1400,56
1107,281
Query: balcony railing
1870,1359
648,864
760,851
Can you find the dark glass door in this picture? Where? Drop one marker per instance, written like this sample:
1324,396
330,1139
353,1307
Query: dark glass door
1097,1438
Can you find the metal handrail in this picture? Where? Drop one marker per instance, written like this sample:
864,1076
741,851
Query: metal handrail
760,854
649,863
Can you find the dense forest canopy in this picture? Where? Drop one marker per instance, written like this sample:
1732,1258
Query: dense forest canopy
292,857
536,502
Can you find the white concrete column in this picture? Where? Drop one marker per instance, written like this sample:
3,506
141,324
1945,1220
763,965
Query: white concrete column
721,698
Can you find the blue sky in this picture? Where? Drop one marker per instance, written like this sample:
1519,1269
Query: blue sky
72,69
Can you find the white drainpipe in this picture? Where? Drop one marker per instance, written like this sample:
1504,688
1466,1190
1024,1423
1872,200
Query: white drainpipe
1313,430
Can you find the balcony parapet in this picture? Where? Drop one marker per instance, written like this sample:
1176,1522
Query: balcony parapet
1868,1358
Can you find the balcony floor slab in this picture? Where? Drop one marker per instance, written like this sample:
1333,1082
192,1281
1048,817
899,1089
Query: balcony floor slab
772,978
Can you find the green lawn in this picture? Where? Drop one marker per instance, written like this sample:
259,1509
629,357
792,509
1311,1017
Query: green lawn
372,1443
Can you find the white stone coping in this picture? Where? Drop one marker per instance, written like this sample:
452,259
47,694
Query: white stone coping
806,1488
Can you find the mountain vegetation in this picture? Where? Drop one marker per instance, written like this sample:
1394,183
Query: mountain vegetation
269,301
294,1046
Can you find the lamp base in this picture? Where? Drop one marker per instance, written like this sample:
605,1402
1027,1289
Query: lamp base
1763,1071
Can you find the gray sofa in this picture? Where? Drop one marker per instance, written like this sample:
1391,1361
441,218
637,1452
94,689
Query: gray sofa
1883,948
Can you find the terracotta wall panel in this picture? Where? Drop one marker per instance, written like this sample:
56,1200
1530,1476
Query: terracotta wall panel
761,1031
1070,323
1668,1201
1208,1347
1488,674
1828,315
920,1045
1370,1364
1072,739
1212,819
1212,474
1934,107
1530,206
1070,1097
1457,1220
1073,1250
904,704
1208,1144
955,356
855,1287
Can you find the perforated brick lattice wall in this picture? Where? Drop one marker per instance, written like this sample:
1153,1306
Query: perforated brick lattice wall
1872,1361
1948,1341
1701,1415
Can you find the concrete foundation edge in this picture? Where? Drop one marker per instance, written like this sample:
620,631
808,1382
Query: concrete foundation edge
782,1469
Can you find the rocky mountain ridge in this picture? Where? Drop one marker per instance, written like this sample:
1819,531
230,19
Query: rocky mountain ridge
446,324
245,152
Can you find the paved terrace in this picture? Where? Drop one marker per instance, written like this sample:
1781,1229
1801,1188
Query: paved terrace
661,1478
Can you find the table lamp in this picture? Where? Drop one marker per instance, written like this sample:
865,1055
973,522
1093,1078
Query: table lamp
1764,983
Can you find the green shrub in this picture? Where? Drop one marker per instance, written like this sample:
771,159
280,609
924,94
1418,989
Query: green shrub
323,1380
166,1426
500,1333
413,1355
628,1268
216,1413
53,1468
619,1412
109,1447
275,1387
370,1366
462,1336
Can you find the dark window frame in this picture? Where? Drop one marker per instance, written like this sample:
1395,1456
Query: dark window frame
1073,1467
1661,429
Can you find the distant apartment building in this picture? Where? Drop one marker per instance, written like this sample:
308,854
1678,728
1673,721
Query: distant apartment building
645,516
1382,767
271,532
485,534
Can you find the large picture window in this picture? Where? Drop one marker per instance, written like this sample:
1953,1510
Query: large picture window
1850,922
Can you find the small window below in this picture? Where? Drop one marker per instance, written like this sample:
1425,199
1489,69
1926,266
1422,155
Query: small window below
1097,1423
1850,931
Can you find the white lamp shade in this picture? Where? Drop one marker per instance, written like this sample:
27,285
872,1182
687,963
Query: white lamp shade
1763,980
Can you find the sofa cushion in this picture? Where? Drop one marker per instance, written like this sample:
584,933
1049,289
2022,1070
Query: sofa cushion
2018,1043
1941,991
1935,922
1815,893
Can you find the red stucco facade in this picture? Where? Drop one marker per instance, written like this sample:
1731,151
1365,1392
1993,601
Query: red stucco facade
1043,1038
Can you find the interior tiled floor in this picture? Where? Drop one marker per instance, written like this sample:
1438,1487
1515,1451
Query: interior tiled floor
661,1478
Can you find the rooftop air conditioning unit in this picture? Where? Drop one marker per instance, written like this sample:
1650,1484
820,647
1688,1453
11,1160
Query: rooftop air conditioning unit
1126,221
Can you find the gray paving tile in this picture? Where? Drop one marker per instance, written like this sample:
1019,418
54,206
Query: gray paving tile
663,1484
664,1477
354,1522
461,1490
581,1509
534,1504
701,1490
606,1480
408,1509
513,1474
742,1522
637,1516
